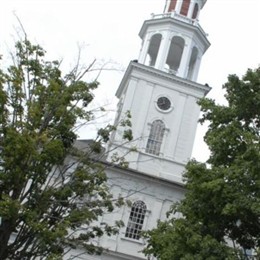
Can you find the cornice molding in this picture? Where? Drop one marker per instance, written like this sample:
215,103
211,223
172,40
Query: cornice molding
159,74
171,20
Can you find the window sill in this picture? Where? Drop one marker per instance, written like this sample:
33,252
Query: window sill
140,241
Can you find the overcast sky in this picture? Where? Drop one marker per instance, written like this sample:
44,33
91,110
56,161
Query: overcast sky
108,30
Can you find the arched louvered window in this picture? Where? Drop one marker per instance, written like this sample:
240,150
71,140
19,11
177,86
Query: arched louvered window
155,137
173,60
195,11
153,50
136,220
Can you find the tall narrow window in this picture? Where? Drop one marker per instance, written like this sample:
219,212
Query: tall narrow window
185,7
192,63
155,137
136,220
172,5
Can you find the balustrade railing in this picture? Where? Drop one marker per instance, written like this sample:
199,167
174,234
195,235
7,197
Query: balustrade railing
179,17
171,71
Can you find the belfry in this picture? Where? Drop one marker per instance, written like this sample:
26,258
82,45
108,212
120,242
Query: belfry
173,41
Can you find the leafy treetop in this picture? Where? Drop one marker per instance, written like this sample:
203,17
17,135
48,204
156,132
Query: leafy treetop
221,208
51,193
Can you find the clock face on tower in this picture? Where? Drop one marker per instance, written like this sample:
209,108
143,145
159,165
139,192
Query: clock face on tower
163,103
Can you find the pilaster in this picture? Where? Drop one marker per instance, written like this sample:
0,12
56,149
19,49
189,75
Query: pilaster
144,49
191,8
163,51
197,67
182,71
178,6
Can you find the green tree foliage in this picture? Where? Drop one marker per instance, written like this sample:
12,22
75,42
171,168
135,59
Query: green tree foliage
51,193
221,209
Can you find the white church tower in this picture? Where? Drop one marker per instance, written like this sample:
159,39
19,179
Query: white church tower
160,91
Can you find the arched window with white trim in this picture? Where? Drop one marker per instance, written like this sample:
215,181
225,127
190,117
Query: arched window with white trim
136,220
155,137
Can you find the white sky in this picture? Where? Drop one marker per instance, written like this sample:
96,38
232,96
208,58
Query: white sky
109,31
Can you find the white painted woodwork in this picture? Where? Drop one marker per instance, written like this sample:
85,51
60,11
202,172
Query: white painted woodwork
155,179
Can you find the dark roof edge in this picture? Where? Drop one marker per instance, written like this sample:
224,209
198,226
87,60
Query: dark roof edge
143,174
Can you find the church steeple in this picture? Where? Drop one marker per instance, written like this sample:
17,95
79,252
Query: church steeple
174,41
161,92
